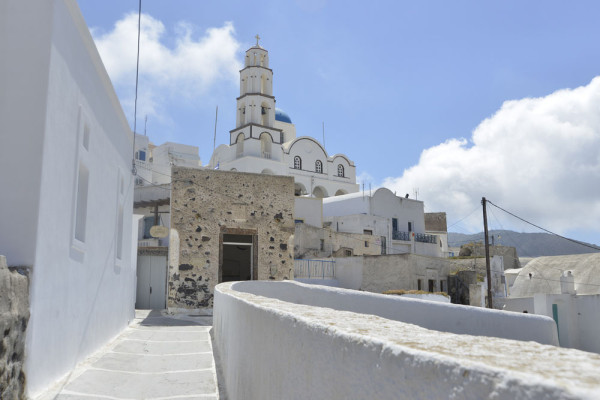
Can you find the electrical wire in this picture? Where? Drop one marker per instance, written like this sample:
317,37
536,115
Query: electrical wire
544,229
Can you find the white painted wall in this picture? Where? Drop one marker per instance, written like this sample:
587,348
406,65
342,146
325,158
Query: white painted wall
578,316
310,210
587,314
516,304
349,272
24,80
273,349
356,212
81,292
441,317
429,297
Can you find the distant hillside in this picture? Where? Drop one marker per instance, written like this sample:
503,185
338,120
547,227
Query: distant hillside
527,244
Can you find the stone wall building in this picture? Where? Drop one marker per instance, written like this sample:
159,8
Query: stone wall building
227,226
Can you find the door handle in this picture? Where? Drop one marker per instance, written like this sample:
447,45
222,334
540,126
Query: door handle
150,289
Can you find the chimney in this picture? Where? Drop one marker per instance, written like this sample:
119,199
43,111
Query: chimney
567,283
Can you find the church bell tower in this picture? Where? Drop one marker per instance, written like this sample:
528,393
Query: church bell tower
256,103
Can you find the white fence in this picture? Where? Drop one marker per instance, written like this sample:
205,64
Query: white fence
314,269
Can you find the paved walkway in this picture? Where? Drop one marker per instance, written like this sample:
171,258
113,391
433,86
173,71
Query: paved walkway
157,357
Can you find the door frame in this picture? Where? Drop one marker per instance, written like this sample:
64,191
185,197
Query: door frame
253,249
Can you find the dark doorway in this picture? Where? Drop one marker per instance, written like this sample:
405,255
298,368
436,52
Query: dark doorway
431,285
238,258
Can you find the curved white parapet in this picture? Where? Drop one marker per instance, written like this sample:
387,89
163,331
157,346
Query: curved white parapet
272,346
438,316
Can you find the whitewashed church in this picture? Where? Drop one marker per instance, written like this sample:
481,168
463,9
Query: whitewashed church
264,139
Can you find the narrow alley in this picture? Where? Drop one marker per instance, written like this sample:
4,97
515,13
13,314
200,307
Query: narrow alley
156,357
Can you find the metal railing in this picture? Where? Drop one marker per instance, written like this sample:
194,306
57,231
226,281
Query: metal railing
400,235
266,154
425,238
419,237
316,269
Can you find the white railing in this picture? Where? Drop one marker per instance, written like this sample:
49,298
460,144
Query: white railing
319,269
266,154
148,243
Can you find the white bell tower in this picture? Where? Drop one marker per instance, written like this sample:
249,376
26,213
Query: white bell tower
256,105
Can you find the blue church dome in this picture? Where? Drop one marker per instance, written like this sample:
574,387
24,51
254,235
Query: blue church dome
282,116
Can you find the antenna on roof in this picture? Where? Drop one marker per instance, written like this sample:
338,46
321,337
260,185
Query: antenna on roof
145,124
215,137
323,133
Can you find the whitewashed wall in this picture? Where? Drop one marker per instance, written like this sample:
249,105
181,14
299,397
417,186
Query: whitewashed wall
441,317
273,349
81,291
310,210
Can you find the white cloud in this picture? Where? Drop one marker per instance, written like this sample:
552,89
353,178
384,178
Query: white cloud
537,157
188,68
366,178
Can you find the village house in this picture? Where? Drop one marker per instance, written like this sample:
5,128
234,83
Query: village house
227,226
565,288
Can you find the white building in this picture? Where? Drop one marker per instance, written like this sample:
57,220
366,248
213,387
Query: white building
565,288
398,221
264,139
152,198
153,163
67,188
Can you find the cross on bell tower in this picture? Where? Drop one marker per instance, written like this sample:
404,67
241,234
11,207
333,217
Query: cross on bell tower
257,39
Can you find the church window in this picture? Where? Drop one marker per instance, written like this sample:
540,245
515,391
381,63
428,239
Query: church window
240,145
297,162
340,170
319,167
265,145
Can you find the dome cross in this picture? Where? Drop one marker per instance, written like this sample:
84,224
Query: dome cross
257,39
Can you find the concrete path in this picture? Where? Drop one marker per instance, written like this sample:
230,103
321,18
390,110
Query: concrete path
157,357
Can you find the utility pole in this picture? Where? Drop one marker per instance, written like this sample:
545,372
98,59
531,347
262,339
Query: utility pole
487,253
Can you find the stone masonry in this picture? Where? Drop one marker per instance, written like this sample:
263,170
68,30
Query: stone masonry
14,316
207,204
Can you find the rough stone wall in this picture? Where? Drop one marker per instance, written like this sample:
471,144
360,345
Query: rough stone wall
205,204
435,222
14,316
511,260
397,271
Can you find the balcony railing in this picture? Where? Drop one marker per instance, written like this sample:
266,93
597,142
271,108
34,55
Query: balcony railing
400,235
266,154
425,238
419,237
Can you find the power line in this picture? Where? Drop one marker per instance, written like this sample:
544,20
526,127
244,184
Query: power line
460,220
544,229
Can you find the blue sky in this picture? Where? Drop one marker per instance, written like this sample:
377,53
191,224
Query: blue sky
403,88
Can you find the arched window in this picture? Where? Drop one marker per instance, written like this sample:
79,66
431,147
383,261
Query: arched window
265,145
239,147
264,111
297,162
340,170
319,167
